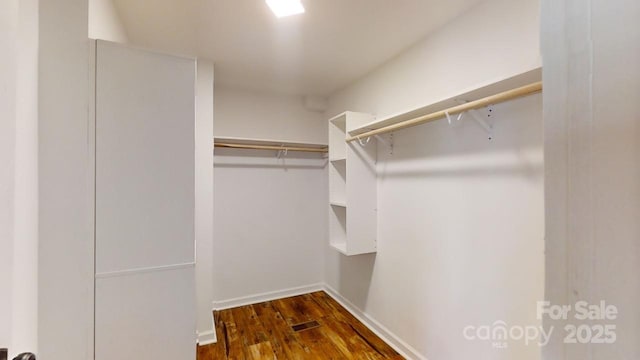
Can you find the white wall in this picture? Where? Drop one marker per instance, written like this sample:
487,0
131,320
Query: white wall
105,22
460,218
25,276
8,70
19,182
241,113
495,40
65,298
270,222
269,214
591,53
204,200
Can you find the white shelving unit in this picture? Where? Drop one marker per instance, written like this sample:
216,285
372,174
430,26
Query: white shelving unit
352,187
475,93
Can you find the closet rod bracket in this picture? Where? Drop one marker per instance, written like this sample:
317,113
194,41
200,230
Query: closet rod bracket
282,152
388,142
488,128
364,143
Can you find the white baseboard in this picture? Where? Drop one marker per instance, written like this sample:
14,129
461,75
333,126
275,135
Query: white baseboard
385,334
268,296
207,337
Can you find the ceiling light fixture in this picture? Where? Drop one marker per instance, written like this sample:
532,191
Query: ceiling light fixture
284,8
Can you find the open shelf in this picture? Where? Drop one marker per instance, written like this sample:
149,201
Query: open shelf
340,120
341,247
476,93
351,178
338,227
337,136
338,182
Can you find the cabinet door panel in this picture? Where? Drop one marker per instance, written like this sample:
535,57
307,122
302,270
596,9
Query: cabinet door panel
144,142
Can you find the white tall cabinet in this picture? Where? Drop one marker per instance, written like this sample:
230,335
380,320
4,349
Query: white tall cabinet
144,205
352,187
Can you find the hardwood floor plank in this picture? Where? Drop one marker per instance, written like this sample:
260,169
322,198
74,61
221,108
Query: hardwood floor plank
321,346
264,331
342,335
204,353
312,308
332,307
285,341
250,329
294,310
262,351
219,349
233,338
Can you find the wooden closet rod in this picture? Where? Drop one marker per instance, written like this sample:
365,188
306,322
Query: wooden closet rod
493,99
271,147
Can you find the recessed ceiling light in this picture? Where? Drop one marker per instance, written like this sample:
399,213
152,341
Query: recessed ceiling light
285,7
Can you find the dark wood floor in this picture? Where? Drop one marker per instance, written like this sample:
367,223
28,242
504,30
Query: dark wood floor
266,331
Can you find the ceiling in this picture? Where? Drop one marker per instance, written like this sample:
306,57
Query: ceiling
316,53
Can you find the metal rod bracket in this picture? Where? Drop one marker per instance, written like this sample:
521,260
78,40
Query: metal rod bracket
488,128
387,142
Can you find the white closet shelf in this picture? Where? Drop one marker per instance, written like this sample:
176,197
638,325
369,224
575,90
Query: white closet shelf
475,93
352,229
341,247
339,120
269,144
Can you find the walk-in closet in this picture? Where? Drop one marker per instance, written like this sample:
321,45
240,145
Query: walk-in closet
319,179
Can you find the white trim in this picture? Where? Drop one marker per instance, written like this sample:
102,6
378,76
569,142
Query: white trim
268,296
144,270
210,336
206,338
91,146
142,48
385,334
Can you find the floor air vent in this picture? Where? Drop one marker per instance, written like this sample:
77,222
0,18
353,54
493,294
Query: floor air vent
305,326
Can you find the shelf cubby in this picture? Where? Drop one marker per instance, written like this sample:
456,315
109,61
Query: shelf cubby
352,187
